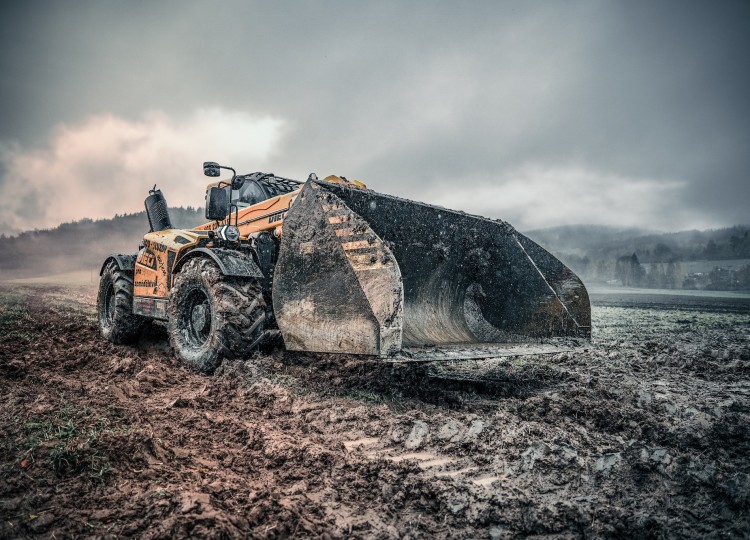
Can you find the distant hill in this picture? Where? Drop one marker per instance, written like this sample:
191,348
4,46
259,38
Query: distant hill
642,258
693,259
605,242
80,245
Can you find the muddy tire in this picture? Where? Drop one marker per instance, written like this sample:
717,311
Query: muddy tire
212,317
117,322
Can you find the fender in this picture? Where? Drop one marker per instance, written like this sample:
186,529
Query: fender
124,262
231,263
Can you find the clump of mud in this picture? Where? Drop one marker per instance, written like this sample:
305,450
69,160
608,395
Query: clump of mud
645,434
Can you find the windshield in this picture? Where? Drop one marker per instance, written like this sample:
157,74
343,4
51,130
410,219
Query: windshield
251,193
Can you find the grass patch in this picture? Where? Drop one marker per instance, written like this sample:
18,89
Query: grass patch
68,444
72,304
16,325
371,398
365,396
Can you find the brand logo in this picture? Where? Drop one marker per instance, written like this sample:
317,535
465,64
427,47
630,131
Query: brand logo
147,259
277,217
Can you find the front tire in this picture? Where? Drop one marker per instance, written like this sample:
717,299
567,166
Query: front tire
212,317
114,302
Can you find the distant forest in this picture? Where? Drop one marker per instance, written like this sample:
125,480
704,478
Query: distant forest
712,259
80,245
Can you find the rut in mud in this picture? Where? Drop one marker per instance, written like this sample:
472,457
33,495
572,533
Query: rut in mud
645,434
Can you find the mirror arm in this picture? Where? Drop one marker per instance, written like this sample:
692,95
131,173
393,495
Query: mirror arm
231,188
234,173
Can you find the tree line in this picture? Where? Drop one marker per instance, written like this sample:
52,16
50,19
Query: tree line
80,245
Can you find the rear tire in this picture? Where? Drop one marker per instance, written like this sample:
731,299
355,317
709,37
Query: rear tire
213,317
117,322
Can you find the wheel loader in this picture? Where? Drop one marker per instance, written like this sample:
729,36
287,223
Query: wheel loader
330,266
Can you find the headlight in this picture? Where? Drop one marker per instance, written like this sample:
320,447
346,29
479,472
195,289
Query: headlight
229,233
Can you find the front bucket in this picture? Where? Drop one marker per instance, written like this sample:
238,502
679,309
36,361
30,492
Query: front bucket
337,286
375,273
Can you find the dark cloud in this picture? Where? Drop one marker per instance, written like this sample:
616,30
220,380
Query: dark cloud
419,98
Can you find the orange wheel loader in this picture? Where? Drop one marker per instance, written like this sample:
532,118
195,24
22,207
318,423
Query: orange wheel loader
331,266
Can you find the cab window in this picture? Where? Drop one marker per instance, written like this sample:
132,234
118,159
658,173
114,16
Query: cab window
252,193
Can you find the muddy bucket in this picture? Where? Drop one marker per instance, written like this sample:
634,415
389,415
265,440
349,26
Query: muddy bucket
365,273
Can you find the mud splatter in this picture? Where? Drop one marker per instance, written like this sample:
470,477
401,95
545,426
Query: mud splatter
644,435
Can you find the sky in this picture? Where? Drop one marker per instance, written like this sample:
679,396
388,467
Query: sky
539,113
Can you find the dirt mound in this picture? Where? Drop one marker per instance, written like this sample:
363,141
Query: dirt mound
646,434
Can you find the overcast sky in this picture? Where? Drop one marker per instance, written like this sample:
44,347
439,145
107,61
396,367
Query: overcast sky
632,113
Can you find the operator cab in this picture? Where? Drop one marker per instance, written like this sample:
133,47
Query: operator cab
242,191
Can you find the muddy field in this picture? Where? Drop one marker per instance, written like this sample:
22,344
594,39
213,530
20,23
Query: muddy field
645,434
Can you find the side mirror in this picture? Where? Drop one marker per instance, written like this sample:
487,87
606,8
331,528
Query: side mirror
211,169
217,204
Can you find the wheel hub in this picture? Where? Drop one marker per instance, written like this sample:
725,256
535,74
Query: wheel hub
200,319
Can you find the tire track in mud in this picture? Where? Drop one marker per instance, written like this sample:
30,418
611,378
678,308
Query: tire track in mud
433,465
